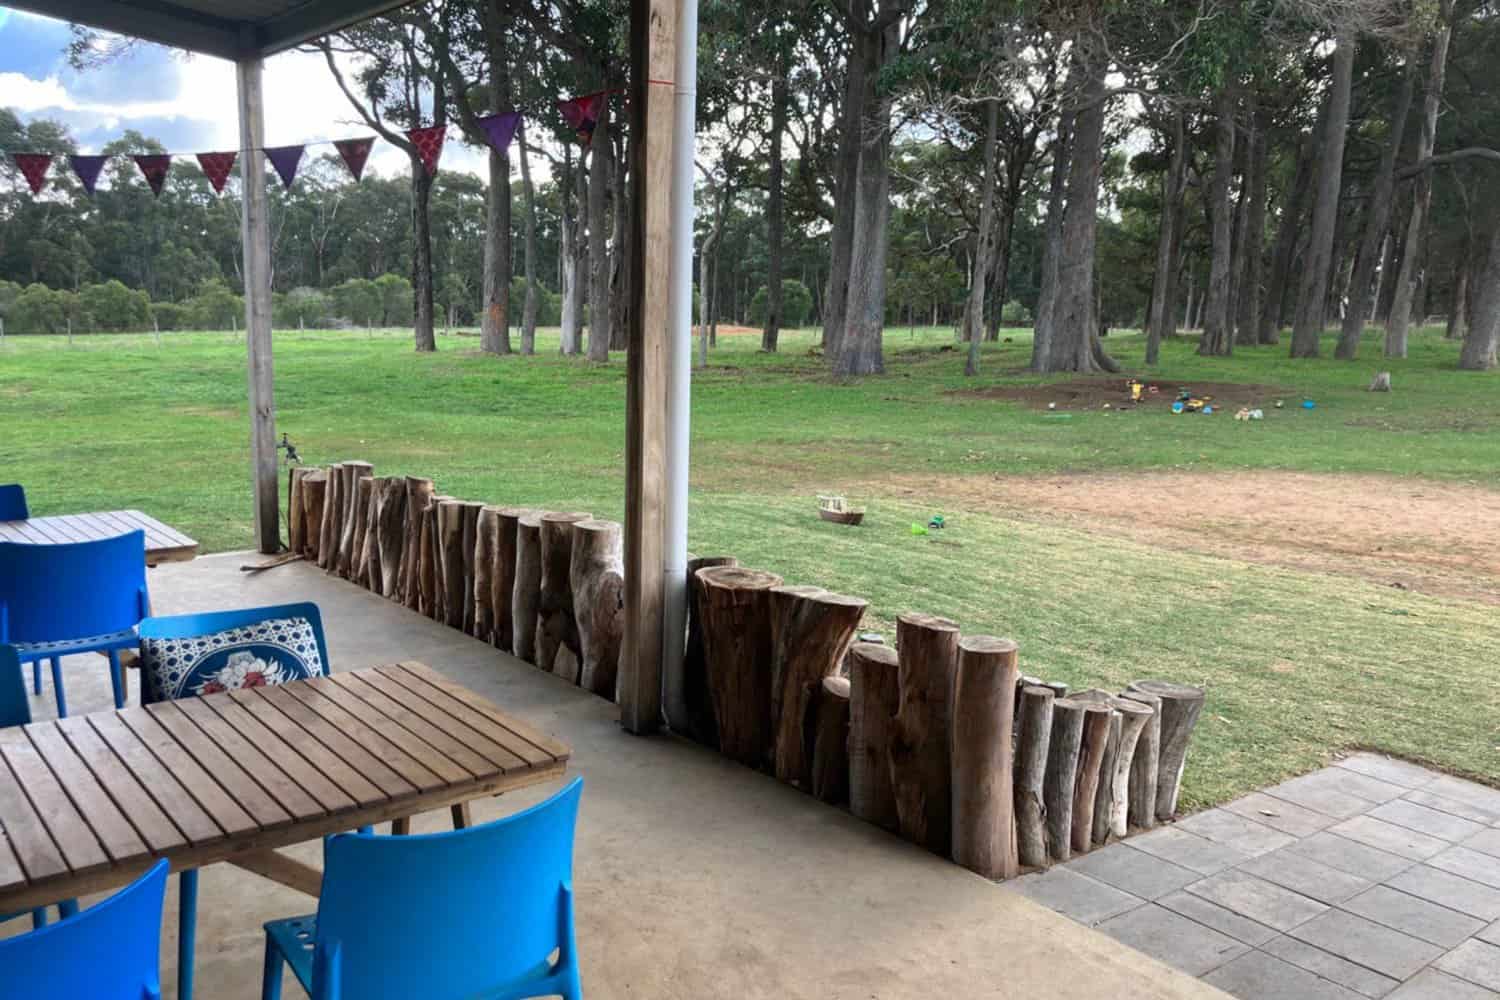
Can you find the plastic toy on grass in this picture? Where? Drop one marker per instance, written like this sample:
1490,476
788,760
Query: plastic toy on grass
918,528
1308,404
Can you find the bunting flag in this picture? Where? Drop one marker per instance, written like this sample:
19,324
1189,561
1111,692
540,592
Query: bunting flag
583,113
216,167
87,168
500,129
34,167
354,153
154,168
285,160
429,143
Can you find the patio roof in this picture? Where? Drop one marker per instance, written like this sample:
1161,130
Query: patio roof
230,29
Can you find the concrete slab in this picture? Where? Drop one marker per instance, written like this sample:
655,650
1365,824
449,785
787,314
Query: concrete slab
1424,819
1367,943
1446,889
1188,850
1257,899
1351,857
1389,837
1074,895
1415,916
1217,917
1430,984
1457,807
1133,871
1234,830
1469,793
1391,770
1174,939
1474,865
1475,961
1485,842
1280,814
1311,878
1259,976
1365,982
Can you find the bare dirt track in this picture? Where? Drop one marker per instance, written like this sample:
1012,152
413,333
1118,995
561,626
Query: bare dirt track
1420,535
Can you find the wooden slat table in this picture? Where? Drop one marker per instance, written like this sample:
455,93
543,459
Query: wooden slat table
163,543
88,803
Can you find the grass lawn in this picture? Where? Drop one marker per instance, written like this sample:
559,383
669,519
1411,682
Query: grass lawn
1297,663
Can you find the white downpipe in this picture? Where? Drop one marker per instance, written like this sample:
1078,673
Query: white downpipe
679,367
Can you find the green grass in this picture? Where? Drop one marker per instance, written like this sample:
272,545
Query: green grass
1297,663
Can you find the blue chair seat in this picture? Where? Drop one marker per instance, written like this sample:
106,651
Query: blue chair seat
124,639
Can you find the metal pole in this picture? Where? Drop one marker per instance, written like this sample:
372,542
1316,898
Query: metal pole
256,233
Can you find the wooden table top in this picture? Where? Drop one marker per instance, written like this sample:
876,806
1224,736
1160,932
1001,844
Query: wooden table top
163,543
89,802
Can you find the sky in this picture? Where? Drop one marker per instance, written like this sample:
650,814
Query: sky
188,103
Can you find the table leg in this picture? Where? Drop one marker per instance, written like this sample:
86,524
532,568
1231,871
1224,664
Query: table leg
187,931
62,702
116,678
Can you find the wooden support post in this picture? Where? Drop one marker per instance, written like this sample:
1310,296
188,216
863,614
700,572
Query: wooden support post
1062,770
314,489
503,578
1104,801
1141,811
921,759
1032,742
295,508
390,526
450,548
597,577
430,557
468,539
1181,705
526,596
826,742
653,52
700,703
255,234
333,518
874,697
557,647
1133,722
984,692
737,643
418,492
810,630
486,541
359,553
1096,726
351,473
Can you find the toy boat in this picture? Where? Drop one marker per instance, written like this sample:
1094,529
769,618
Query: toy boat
835,509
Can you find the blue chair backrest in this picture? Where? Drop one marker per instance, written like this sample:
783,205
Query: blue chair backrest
208,623
448,915
13,502
15,710
49,593
107,952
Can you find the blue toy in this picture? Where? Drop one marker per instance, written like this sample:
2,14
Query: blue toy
13,503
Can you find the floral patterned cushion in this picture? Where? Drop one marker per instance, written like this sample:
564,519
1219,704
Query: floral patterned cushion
271,652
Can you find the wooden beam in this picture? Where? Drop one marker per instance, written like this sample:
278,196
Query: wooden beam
164,23
256,232
653,53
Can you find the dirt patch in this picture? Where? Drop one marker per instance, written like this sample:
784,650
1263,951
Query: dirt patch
1094,393
1408,534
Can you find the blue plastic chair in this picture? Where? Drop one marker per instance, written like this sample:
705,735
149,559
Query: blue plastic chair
442,916
80,597
13,502
15,710
107,952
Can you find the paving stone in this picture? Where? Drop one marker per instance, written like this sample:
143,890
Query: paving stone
1367,943
1188,850
1311,878
1430,984
1347,856
1361,980
1236,831
1486,842
1389,837
1173,939
1261,901
1258,976
1427,797
1280,814
1389,769
1425,819
1470,864
1490,933
1415,916
1333,794
1467,792
1133,871
1447,889
1475,961
1215,916
1076,896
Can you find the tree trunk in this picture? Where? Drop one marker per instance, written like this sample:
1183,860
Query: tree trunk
1478,351
620,247
364,504
503,578
572,319
1097,720
775,222
1062,771
449,548
874,698
1218,337
1134,718
921,769
314,495
984,693
810,631
1180,707
1282,255
695,688
430,560
736,604
421,257
1251,272
557,647
597,577
1044,327
494,334
599,167
1377,224
1313,285
349,496
1458,304
525,598
1034,734
418,494
1163,314
841,240
390,530
1141,807
533,296
826,742
974,311
486,554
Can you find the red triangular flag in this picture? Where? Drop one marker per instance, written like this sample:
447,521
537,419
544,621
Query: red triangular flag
583,113
429,143
354,153
154,168
285,160
216,167
34,167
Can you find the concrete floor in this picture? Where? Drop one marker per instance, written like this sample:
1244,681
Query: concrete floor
695,877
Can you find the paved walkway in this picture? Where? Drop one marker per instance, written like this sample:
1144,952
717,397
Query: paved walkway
1371,878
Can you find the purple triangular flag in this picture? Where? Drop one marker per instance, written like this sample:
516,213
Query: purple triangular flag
500,129
285,160
87,168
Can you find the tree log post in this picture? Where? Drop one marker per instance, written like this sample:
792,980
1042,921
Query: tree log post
826,742
350,474
503,579
1141,808
418,492
314,492
372,575
1032,744
430,574
810,630
526,597
364,490
736,606
1062,770
874,698
295,508
450,549
695,691
921,761
486,540
984,693
469,542
332,524
1096,725
1181,704
1104,798
390,530
557,646
597,576
1134,717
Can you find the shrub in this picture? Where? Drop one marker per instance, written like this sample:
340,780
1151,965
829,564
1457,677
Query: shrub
170,315
358,301
215,307
796,303
112,306
301,307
